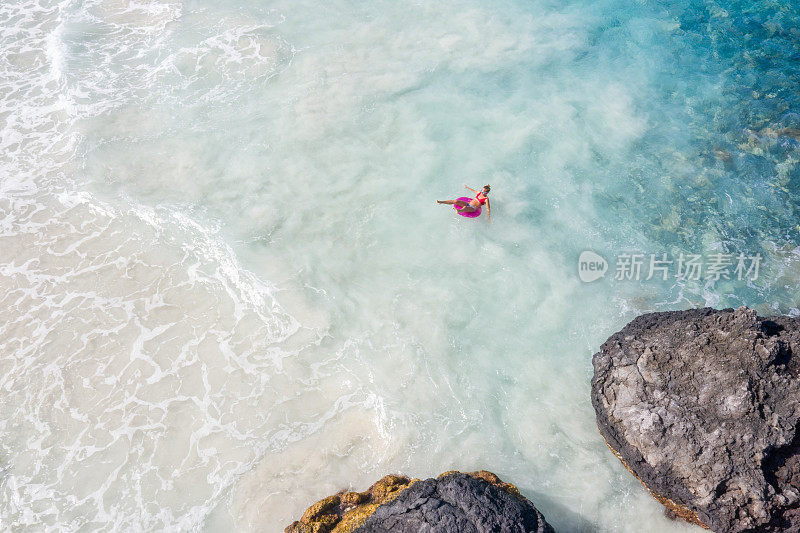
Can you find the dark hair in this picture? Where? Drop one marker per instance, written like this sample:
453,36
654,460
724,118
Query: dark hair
487,188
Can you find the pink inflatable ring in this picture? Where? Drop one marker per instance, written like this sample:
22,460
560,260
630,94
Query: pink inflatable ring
468,214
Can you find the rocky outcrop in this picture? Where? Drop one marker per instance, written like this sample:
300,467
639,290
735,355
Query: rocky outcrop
345,511
703,407
451,503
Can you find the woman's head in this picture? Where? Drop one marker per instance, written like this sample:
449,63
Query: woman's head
486,189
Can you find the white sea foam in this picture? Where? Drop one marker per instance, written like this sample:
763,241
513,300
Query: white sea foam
124,326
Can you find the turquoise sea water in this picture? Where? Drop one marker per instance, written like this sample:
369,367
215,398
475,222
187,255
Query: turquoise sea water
227,290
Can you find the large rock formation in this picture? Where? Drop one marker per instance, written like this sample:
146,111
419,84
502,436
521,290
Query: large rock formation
452,503
703,407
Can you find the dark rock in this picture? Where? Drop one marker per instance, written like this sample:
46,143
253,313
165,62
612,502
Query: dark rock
456,503
452,503
794,133
703,407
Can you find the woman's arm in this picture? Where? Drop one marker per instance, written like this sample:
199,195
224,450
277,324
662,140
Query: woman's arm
489,211
470,188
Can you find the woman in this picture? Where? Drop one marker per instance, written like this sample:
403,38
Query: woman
481,198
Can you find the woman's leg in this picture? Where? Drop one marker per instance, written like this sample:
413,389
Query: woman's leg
461,204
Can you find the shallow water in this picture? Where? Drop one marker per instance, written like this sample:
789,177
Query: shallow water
227,290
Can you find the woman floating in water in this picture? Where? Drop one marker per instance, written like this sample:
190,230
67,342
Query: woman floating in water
473,205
